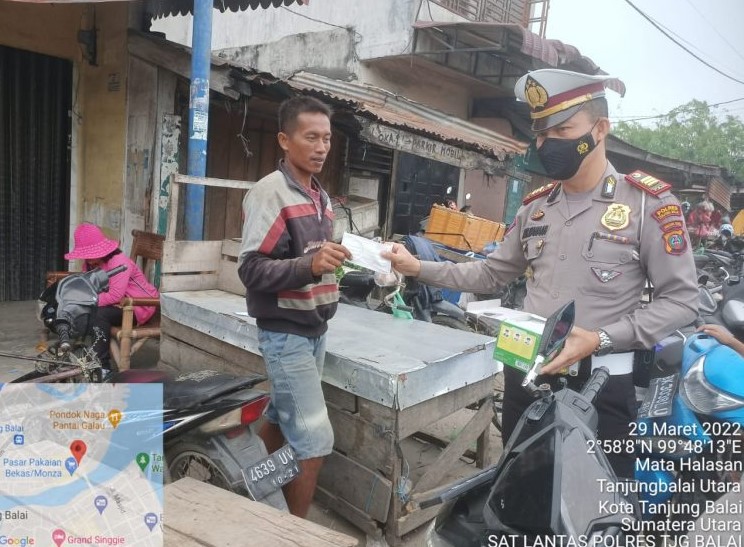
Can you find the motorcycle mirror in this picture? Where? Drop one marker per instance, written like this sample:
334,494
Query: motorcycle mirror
733,280
557,328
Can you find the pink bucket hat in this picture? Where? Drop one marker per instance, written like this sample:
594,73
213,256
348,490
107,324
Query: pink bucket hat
90,243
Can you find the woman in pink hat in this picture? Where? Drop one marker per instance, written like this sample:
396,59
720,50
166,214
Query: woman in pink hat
92,246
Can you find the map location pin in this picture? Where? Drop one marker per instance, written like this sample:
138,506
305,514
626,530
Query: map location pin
78,450
151,519
114,417
101,503
71,465
142,459
58,537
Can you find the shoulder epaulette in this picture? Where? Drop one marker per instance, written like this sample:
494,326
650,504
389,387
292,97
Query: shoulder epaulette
542,191
647,183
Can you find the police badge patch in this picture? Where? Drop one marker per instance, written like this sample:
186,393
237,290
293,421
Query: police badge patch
675,242
616,217
605,275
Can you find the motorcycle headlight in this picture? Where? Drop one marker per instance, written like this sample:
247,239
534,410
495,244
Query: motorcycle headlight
701,395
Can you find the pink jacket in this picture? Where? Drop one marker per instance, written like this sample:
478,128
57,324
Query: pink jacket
131,282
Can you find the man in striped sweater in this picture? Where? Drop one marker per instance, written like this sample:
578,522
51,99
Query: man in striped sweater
287,264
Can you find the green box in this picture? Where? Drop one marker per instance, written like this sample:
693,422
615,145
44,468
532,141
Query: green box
518,339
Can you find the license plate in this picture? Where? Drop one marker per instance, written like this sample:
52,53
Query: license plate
659,397
270,474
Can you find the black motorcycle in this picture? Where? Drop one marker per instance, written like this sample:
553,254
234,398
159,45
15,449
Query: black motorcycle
549,484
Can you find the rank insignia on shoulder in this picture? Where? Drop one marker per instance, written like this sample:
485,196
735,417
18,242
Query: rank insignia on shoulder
647,183
542,191
608,187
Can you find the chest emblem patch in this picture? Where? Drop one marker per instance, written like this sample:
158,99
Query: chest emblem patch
605,275
537,215
616,217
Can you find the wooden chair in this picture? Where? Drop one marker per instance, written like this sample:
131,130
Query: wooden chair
147,249
128,338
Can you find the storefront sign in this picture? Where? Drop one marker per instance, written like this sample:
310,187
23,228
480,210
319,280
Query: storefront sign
428,148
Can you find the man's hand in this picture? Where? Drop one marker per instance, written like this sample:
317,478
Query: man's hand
403,261
329,257
579,344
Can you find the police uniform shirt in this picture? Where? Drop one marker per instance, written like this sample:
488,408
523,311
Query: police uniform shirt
598,252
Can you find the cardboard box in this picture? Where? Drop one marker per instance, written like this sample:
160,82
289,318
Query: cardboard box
518,338
462,231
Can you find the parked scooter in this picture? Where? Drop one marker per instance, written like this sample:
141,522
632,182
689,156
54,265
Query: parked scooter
208,433
547,484
208,417
68,309
689,435
422,301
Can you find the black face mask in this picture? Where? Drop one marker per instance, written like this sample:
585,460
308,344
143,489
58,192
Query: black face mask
562,158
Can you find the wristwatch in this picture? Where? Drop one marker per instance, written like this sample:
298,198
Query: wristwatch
605,344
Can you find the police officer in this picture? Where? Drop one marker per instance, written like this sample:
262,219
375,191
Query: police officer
593,236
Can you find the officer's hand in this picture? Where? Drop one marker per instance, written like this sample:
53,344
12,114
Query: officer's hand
403,261
579,344
329,257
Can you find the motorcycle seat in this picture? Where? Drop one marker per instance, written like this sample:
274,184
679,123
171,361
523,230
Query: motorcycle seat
192,389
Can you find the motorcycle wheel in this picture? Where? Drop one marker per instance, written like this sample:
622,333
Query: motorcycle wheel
79,352
185,460
451,322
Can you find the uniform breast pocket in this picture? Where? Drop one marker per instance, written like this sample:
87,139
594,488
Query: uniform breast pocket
607,267
533,248
607,252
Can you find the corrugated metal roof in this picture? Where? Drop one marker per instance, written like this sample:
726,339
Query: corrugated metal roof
163,8
396,110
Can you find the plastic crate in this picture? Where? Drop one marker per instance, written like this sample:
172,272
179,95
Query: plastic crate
461,230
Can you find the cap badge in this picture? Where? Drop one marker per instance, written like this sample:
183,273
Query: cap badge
536,94
616,217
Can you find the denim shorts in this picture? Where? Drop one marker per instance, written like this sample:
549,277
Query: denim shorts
294,365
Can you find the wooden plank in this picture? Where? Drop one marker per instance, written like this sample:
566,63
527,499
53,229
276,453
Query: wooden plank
184,357
243,361
340,398
207,181
174,58
228,278
194,507
358,518
418,416
479,423
174,538
361,487
175,192
231,247
191,256
396,505
218,159
416,518
377,413
195,282
362,441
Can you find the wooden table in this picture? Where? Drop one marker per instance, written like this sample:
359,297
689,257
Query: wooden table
385,379
198,514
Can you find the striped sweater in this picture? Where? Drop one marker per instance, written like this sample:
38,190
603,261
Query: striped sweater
282,229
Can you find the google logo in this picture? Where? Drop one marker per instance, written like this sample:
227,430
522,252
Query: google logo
21,542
